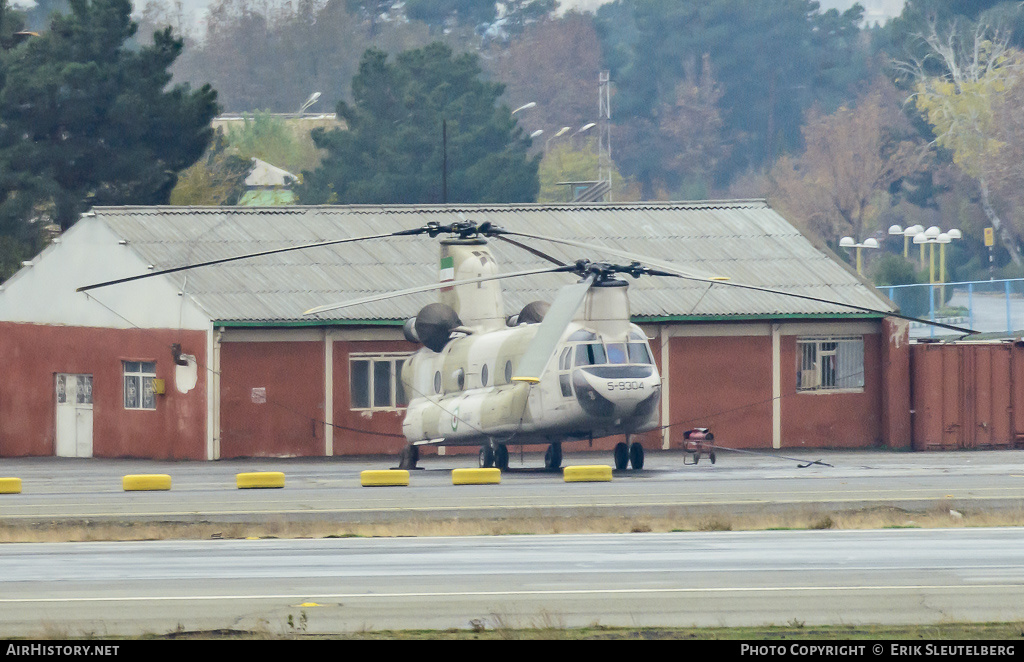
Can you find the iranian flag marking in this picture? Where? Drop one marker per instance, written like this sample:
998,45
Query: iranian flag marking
447,269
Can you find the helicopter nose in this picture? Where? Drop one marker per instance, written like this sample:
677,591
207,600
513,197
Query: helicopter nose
593,402
613,395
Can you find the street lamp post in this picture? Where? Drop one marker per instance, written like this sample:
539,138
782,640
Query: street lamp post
561,132
908,234
313,98
848,242
585,127
950,236
931,237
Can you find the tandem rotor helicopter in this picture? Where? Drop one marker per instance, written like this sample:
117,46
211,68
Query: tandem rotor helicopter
575,369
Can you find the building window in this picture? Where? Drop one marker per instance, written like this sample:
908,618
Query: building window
829,364
138,384
375,381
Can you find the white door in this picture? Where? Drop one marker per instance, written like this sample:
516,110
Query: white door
74,415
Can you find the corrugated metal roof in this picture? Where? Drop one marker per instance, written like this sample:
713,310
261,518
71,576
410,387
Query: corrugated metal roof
743,239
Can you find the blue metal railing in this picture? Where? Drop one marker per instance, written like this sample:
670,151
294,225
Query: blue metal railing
992,306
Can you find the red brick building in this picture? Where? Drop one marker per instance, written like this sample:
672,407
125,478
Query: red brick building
219,361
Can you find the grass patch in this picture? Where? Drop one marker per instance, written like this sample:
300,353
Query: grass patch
547,627
812,519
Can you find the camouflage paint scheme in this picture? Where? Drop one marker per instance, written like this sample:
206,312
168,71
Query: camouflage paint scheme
464,395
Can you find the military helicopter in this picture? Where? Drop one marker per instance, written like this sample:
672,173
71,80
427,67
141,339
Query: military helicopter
574,370
483,380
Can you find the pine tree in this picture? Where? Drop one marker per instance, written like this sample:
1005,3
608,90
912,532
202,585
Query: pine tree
408,117
86,120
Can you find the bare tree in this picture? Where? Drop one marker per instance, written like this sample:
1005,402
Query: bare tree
964,102
555,63
852,158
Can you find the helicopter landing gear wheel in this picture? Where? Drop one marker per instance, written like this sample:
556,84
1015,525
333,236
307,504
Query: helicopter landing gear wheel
636,456
486,457
408,457
621,455
501,457
553,457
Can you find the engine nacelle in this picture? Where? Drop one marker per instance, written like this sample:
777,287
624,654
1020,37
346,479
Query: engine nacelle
531,313
432,326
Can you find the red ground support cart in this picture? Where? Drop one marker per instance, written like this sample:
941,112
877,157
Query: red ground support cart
697,442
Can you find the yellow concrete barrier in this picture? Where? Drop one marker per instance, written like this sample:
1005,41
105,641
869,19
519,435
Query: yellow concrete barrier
384,477
259,479
146,482
587,474
10,486
490,476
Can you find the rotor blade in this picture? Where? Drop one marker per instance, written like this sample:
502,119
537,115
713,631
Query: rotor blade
529,249
498,232
558,317
434,286
679,273
273,251
808,297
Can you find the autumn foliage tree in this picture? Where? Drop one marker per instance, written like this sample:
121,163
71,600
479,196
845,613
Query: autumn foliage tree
690,126
967,105
772,59
852,160
555,63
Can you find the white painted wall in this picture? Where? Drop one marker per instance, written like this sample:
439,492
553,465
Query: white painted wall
89,253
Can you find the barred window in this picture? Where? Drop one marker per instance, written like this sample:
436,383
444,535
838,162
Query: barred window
138,384
375,381
830,363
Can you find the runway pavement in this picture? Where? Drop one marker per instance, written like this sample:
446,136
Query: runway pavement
334,585
60,489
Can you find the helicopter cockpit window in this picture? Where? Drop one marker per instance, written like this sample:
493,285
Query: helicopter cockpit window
564,364
616,352
565,360
590,354
639,352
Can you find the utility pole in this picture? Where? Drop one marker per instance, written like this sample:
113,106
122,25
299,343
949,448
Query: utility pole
604,126
444,162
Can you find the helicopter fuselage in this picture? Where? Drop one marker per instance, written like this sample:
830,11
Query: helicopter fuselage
597,385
